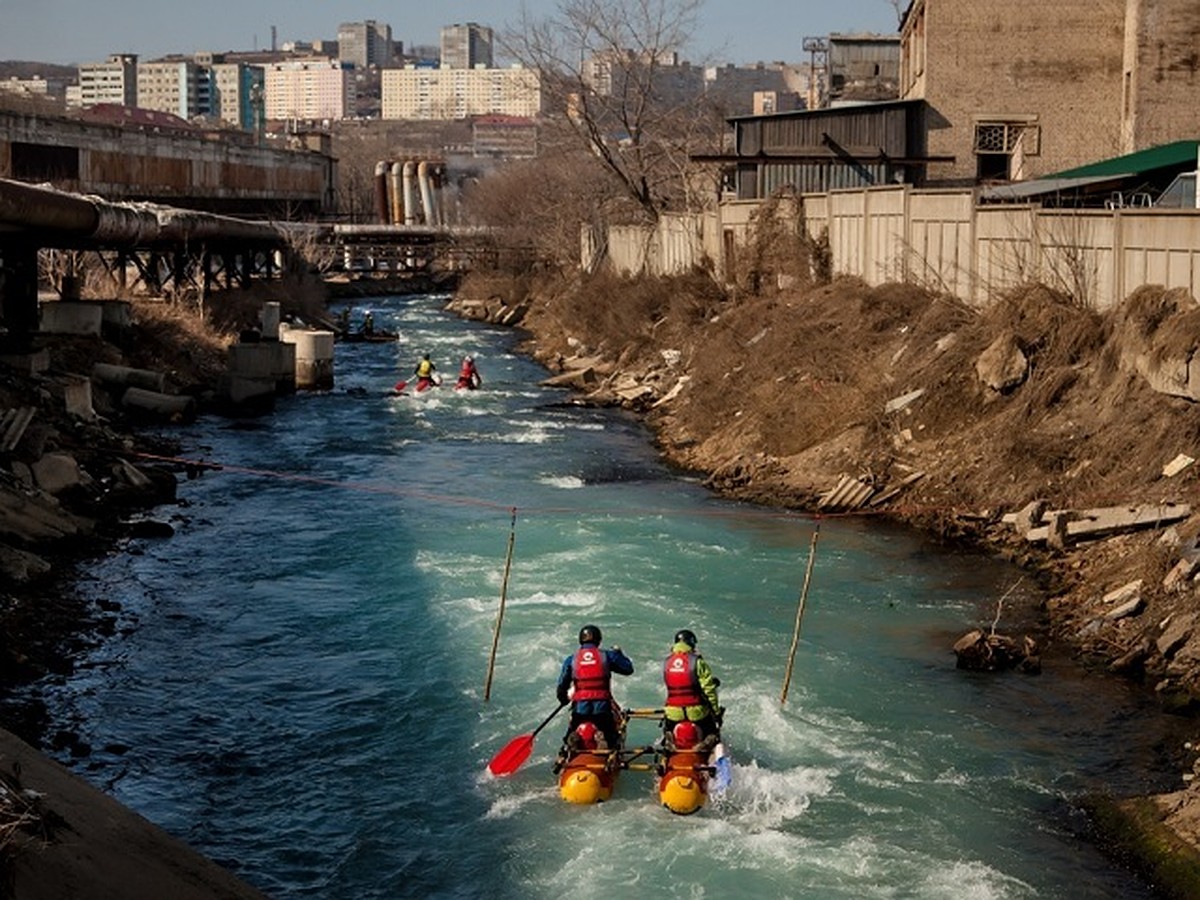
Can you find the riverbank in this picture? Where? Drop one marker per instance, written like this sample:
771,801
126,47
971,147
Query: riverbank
78,480
1012,429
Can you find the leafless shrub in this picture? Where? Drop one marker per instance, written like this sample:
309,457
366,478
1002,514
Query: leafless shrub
605,67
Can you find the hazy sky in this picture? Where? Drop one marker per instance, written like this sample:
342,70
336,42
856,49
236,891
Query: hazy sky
74,31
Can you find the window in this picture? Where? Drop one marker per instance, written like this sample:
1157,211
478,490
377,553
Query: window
1001,146
1003,137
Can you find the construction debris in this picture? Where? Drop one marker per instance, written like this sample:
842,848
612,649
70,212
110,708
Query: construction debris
854,493
1063,525
13,423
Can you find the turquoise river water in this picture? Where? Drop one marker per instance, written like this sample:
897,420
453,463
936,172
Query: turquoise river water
300,691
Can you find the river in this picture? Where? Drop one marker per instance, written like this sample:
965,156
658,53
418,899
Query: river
297,688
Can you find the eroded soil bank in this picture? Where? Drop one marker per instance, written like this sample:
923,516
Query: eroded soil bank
1050,433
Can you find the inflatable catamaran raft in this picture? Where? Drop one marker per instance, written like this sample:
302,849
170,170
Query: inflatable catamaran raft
688,768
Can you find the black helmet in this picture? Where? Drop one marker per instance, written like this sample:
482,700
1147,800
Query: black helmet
685,636
589,634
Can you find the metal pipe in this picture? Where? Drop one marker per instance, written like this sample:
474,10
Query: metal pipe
33,207
426,191
397,216
410,193
381,192
27,208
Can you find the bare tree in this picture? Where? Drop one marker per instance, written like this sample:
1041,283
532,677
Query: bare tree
610,75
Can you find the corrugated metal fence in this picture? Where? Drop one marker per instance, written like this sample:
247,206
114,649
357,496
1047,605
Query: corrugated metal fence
942,239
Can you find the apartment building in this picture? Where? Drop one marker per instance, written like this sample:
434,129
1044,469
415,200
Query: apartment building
467,46
364,44
178,87
113,81
308,89
236,92
32,87
444,93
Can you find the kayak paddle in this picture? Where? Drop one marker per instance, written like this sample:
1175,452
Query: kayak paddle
722,770
518,749
400,386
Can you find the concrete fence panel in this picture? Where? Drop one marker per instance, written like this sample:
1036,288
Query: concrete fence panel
1005,251
1160,247
886,222
847,231
940,245
1076,254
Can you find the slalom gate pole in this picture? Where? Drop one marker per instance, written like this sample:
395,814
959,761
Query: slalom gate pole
812,555
512,537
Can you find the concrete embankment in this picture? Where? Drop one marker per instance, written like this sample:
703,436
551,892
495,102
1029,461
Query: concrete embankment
60,837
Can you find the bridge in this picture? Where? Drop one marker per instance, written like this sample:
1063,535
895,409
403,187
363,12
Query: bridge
226,172
164,212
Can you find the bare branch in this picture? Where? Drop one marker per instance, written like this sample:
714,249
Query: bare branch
612,72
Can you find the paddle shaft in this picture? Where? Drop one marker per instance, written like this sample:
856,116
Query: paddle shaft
546,721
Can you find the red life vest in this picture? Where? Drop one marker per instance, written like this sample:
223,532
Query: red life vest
683,688
590,671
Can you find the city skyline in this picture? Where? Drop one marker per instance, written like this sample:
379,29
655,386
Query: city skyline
67,32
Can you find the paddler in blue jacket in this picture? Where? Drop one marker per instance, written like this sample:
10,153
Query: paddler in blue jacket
691,687
588,671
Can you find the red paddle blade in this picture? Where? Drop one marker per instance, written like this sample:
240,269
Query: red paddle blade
400,386
510,758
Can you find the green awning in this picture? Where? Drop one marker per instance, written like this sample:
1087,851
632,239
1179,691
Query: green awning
1165,156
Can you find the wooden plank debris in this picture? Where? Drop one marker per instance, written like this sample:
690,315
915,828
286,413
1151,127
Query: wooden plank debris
854,493
849,494
13,423
891,492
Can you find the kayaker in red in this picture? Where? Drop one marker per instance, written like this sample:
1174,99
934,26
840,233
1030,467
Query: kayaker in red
468,376
691,687
584,681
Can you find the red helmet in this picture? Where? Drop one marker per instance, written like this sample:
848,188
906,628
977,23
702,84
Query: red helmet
587,734
686,735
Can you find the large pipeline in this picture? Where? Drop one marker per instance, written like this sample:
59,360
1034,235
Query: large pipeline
426,192
381,192
47,216
397,195
410,193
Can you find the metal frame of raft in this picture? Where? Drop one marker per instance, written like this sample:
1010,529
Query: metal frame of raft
685,776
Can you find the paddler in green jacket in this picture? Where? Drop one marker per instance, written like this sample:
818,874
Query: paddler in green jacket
691,687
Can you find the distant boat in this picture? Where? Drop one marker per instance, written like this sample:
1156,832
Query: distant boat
371,337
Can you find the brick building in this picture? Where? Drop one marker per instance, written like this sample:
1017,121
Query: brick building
1025,88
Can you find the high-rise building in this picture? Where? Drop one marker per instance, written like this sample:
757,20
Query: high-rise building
416,92
113,81
365,44
179,87
466,46
309,89
236,94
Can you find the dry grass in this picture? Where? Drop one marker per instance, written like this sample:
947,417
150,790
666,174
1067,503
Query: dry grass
805,376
